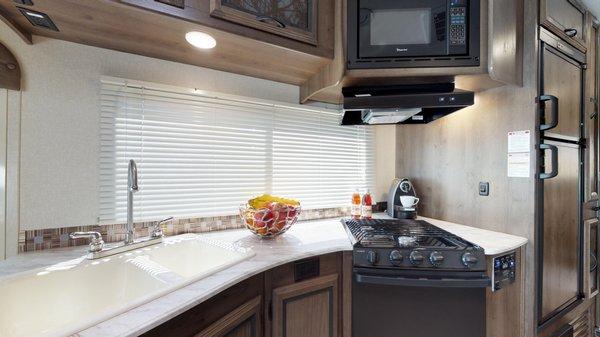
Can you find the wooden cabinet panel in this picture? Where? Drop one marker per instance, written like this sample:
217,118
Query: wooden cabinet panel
592,125
560,231
308,308
565,18
292,19
241,322
563,79
236,311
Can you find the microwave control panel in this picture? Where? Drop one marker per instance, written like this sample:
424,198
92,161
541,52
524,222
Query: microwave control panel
458,22
505,269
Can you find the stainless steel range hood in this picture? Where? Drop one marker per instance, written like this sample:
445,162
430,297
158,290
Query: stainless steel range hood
402,104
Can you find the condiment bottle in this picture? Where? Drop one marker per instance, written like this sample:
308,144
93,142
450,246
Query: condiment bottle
367,206
355,209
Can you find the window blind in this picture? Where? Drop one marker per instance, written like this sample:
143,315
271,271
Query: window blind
204,155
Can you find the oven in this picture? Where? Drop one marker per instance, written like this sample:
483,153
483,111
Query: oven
413,33
418,303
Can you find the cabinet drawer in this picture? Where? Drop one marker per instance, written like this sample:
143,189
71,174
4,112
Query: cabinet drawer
566,19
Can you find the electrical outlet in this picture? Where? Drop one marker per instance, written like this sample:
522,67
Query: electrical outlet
484,188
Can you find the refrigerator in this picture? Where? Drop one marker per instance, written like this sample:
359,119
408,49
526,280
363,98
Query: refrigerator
560,178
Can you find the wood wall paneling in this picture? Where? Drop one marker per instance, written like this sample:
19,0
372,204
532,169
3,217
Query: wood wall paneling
446,160
10,72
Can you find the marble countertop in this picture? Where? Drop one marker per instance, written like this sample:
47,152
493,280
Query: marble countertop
305,239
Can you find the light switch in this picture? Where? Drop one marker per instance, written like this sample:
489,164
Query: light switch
484,188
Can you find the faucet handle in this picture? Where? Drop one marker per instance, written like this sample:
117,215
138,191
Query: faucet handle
96,242
157,230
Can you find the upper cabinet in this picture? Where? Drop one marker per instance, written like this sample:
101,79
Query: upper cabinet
285,41
565,18
296,19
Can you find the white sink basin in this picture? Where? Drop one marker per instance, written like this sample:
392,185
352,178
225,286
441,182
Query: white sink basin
67,297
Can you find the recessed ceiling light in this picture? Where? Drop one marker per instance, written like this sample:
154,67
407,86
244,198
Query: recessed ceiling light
200,40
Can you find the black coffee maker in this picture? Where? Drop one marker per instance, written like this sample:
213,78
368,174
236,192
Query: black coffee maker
399,188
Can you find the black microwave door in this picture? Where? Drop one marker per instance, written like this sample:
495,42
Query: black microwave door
391,28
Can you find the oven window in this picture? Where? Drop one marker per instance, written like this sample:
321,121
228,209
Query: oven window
400,26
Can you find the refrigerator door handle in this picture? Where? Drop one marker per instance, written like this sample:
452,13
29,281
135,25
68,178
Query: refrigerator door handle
554,153
553,111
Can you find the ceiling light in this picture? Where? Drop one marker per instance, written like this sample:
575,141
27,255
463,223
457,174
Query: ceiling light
200,40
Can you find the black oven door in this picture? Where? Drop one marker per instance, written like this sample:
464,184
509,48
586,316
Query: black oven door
391,28
410,305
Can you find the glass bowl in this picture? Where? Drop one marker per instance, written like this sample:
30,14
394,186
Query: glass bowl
269,222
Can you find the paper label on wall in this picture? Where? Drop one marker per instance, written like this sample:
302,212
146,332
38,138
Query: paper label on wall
519,141
518,165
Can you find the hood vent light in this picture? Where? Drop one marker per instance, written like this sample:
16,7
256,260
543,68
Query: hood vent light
38,19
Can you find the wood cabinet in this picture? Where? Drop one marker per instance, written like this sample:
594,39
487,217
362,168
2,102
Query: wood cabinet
298,299
305,306
235,312
308,308
296,19
244,321
301,25
565,18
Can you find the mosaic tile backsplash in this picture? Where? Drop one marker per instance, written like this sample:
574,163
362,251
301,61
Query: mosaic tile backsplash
32,240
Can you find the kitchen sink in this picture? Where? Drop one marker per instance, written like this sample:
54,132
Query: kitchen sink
70,296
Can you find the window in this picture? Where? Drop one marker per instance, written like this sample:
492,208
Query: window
204,154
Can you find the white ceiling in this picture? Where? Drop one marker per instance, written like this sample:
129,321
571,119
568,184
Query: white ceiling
593,6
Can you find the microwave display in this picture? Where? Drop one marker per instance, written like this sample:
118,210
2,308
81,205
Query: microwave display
413,33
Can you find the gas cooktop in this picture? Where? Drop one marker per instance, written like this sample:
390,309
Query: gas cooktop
410,244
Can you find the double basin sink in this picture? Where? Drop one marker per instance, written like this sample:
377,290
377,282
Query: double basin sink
67,297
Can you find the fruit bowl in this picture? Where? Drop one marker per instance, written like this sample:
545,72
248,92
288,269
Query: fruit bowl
270,221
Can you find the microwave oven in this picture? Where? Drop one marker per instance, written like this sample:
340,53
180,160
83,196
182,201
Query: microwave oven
413,33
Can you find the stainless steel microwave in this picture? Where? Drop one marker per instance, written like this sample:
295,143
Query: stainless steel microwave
413,33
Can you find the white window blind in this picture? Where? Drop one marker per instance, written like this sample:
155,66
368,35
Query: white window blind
204,155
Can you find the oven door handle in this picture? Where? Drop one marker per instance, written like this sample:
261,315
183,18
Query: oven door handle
424,282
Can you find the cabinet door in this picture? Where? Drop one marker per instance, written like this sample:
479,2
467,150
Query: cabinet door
235,312
566,19
560,230
308,308
592,255
292,19
562,79
241,322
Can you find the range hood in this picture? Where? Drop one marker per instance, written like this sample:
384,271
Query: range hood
402,104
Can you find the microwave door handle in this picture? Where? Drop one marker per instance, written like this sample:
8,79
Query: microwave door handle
424,282
553,111
554,153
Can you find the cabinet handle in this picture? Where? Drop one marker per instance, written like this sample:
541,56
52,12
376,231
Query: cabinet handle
554,152
266,18
571,32
553,111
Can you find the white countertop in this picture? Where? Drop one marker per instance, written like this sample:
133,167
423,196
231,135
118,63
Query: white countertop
305,239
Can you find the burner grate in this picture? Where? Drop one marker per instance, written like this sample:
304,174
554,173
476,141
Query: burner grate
385,233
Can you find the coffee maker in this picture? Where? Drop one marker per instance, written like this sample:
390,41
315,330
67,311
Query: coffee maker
399,188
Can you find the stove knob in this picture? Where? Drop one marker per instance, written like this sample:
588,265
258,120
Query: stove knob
372,257
416,258
436,259
469,259
396,257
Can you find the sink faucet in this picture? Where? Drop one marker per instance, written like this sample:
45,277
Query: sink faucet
97,248
132,187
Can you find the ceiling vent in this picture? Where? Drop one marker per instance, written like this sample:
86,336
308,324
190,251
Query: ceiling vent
38,19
